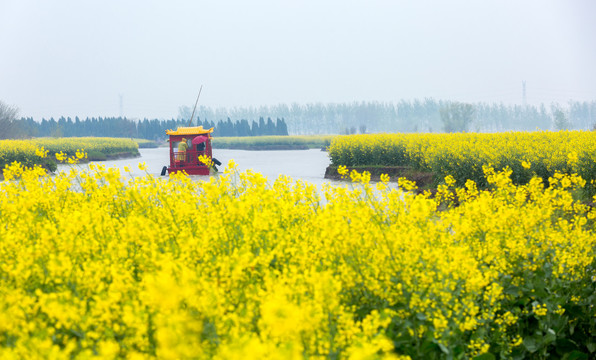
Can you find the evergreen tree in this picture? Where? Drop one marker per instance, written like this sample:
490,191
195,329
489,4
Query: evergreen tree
270,127
230,128
254,129
243,128
281,127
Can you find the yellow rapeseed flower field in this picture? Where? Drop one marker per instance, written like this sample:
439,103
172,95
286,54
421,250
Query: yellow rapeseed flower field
21,151
463,155
24,151
95,266
102,144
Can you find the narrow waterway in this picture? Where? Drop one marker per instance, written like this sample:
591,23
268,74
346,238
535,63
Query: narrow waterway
308,165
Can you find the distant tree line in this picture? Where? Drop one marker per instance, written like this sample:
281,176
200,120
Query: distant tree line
426,115
153,129
413,116
244,128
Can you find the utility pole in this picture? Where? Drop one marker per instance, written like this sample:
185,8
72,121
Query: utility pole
525,100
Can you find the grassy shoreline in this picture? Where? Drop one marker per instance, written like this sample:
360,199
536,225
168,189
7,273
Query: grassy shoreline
298,142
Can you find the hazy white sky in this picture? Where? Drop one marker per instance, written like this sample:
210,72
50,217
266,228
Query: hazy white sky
75,57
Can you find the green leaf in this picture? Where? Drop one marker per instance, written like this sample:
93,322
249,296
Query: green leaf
576,355
565,346
458,350
443,348
539,287
550,336
530,344
485,356
428,346
511,290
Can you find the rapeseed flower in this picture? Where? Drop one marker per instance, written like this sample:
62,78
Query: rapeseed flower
95,265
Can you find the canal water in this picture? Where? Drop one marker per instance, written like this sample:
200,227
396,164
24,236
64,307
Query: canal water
308,165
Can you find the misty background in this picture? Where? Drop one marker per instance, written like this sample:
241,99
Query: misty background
320,66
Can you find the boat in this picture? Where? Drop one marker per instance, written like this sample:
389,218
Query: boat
187,144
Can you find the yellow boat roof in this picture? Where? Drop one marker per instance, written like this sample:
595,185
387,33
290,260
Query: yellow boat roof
195,130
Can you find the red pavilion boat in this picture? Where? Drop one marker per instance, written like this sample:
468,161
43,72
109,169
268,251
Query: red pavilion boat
186,145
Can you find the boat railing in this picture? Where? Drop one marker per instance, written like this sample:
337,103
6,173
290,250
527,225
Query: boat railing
187,158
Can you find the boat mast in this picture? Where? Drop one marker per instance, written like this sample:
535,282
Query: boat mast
193,110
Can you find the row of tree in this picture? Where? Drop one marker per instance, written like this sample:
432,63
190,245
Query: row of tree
153,129
428,115
411,116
